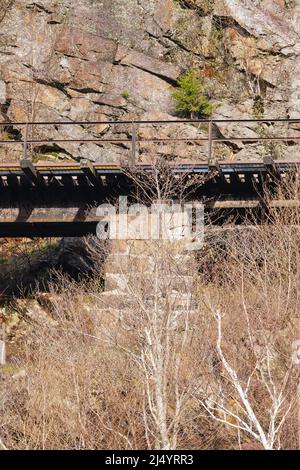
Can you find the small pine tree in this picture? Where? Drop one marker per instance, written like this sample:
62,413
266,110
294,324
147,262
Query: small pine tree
190,96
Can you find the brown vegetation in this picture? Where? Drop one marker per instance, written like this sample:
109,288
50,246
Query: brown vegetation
194,353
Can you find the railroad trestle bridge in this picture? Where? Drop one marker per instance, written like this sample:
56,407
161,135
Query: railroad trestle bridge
60,198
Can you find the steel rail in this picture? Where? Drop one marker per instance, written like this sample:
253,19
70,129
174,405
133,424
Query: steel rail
172,139
134,121
242,165
134,138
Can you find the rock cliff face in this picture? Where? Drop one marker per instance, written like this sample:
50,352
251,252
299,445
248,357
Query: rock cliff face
103,60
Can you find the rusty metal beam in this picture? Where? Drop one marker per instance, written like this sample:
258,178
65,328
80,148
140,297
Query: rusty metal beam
90,172
135,121
272,168
135,138
29,171
84,213
233,204
95,169
30,214
158,140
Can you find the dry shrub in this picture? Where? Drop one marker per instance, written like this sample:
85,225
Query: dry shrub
161,322
102,377
71,390
151,373
253,297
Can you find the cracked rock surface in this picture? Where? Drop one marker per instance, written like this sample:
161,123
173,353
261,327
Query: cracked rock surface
104,60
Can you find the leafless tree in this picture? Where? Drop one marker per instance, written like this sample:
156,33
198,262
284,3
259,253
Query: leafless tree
243,416
255,320
160,304
160,183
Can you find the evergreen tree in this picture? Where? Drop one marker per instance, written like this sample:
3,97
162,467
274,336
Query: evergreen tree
190,96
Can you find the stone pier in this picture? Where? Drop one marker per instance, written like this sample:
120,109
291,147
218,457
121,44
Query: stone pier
141,267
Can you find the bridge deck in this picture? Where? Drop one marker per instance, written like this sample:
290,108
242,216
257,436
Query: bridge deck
74,168
57,199
60,199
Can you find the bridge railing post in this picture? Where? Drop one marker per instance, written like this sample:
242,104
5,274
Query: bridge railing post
210,142
2,346
133,143
25,142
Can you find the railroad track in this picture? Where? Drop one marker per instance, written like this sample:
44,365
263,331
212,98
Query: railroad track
60,199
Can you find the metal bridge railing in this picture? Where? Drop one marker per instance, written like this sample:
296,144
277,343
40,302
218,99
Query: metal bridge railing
135,139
